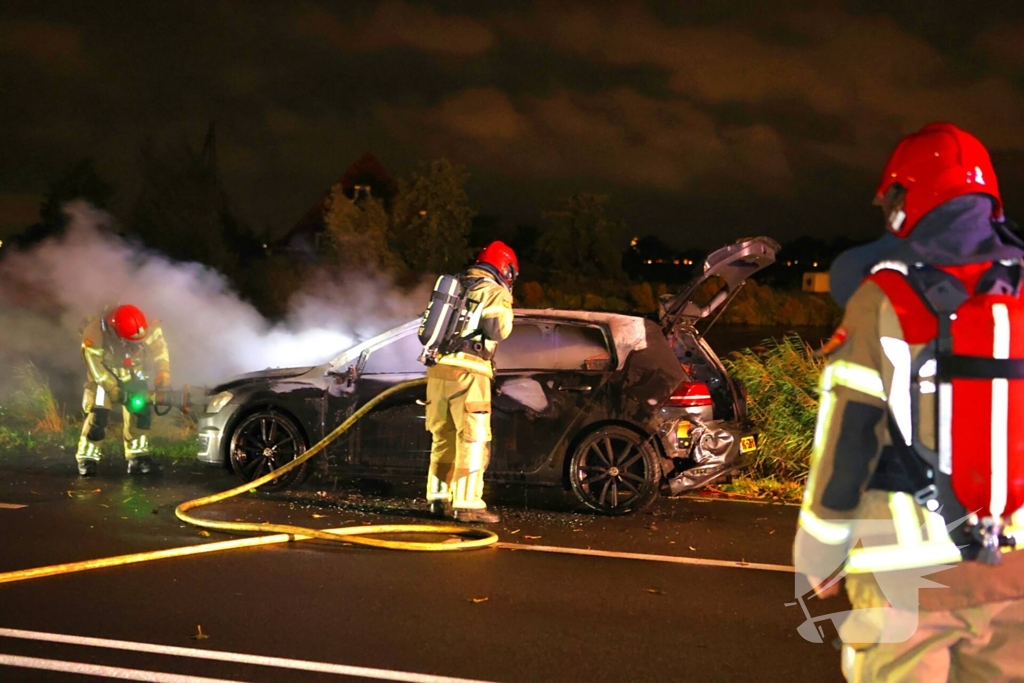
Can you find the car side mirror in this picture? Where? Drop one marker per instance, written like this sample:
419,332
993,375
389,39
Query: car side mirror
348,375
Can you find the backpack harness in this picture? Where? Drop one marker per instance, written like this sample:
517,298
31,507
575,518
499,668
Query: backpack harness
451,321
970,320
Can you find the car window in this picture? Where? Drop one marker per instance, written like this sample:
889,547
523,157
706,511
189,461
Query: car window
349,356
535,345
398,357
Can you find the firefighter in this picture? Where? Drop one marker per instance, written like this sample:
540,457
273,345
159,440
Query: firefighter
119,347
459,392
942,208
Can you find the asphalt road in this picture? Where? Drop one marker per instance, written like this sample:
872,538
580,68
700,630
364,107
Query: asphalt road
694,589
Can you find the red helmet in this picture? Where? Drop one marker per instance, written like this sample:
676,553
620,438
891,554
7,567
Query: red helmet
930,167
501,256
128,323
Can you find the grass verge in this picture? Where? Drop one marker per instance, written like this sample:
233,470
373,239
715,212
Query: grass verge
34,422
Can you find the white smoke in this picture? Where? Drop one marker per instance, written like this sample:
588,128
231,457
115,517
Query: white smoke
48,292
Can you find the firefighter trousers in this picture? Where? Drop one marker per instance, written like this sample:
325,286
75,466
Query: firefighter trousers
459,419
135,442
966,645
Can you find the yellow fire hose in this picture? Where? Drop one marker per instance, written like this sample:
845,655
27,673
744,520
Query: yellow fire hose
280,533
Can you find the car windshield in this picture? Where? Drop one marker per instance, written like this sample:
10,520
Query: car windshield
346,358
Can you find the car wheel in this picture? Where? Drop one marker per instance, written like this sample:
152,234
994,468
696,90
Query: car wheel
263,442
614,471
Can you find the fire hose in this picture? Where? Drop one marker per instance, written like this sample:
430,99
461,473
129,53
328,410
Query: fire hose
469,537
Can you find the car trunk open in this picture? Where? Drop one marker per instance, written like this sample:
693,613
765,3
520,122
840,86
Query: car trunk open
732,265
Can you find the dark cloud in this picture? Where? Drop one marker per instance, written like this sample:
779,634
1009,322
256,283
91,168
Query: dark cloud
394,23
704,121
47,44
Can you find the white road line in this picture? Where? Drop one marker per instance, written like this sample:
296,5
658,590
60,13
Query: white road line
236,657
114,672
11,506
671,559
712,499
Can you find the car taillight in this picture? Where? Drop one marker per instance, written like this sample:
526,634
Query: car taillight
690,395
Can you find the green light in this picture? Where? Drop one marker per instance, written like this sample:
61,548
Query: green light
136,403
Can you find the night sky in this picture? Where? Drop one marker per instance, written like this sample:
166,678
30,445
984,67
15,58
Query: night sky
704,121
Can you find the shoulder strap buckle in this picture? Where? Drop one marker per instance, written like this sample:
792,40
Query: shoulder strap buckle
926,495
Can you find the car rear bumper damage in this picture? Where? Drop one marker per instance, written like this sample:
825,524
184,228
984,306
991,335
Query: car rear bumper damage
700,453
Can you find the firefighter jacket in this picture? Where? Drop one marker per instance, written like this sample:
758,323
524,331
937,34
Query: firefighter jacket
850,512
110,361
490,306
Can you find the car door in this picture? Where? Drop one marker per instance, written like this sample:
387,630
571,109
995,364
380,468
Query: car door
392,436
548,372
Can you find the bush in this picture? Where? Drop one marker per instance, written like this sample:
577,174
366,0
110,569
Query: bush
643,298
32,421
781,377
33,405
761,305
531,295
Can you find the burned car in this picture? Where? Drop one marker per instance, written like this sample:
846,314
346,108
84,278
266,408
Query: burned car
616,408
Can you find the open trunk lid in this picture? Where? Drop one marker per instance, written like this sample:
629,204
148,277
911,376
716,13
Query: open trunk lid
733,263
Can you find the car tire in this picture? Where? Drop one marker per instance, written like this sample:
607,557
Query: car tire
614,471
264,441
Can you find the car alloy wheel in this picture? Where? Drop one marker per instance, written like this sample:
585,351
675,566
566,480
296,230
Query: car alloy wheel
614,471
263,442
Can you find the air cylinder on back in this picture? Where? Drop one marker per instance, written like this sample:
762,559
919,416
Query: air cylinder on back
440,317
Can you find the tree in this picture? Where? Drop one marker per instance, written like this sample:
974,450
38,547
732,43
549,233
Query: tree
580,239
432,219
357,231
80,181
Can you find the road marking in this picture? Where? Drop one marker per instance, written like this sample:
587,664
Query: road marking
696,497
671,559
11,506
235,657
104,671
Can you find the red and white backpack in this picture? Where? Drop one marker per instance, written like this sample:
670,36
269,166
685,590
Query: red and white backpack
971,321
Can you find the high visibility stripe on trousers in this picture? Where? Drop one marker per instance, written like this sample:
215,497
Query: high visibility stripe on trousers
468,488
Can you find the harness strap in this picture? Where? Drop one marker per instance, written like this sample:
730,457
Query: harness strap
979,367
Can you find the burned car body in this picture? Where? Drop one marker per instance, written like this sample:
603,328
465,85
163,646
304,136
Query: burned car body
600,403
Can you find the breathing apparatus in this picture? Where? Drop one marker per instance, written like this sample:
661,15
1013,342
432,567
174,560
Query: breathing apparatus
450,320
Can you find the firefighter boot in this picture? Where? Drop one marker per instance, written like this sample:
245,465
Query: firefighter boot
88,455
141,464
477,516
441,509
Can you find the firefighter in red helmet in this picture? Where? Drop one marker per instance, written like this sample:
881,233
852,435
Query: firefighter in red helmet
122,350
884,504
459,392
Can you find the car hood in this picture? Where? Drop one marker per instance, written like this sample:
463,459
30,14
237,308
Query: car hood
261,375
733,263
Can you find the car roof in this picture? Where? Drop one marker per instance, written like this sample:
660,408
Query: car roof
628,331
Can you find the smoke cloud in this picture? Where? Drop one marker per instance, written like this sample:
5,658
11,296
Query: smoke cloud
47,294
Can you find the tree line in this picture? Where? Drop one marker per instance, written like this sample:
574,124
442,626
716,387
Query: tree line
580,256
